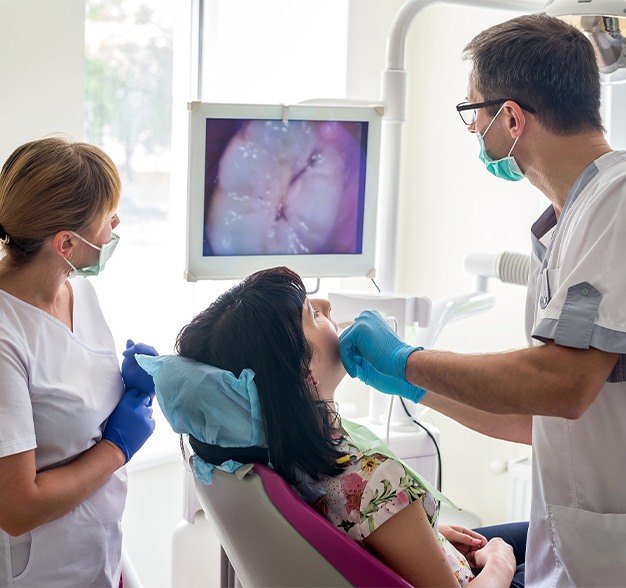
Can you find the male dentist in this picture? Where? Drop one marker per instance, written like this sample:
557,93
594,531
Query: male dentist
534,105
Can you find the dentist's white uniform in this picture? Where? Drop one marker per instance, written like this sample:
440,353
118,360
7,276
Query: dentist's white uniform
57,387
577,298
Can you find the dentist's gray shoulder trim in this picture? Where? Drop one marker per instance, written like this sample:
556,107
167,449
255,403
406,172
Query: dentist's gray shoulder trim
540,227
575,324
575,328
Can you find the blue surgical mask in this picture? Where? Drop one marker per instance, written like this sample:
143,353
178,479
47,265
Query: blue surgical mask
105,253
505,168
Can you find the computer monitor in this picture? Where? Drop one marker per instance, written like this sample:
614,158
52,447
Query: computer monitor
272,185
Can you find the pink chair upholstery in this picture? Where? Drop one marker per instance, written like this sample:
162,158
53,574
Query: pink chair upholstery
354,562
273,538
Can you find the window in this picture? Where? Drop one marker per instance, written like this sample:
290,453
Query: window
128,113
274,51
138,68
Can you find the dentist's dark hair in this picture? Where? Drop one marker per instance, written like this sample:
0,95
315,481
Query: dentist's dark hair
543,62
257,324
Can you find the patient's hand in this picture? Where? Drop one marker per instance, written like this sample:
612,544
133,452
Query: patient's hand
496,554
464,540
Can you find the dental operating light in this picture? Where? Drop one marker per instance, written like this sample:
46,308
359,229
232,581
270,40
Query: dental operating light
603,22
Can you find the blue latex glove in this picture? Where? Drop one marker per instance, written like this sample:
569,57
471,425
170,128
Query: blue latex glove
130,423
372,352
133,374
387,384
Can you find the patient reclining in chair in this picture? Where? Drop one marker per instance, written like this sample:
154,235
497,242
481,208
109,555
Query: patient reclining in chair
268,325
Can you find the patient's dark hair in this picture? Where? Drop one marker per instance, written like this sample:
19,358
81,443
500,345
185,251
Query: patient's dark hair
257,324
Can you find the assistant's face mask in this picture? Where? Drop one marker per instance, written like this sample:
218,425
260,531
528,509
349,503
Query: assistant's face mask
105,253
505,168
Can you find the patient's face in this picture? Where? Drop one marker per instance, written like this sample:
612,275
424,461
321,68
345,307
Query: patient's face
321,333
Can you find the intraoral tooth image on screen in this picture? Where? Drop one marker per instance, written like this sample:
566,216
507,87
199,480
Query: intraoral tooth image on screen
284,188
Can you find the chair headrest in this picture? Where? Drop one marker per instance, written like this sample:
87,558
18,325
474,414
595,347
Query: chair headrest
216,455
210,404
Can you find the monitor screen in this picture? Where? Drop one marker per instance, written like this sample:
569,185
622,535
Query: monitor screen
276,189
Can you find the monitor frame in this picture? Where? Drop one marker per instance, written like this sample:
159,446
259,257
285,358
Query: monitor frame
200,267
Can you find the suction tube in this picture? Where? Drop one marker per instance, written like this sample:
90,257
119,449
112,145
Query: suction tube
513,268
508,267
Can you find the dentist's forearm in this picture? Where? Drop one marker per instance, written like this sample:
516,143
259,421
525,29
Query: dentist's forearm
508,427
547,380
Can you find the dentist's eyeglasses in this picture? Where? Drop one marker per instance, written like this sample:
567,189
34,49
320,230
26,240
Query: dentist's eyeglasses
468,110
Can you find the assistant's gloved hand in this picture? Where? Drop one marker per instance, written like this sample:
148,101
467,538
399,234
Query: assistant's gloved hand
130,423
133,375
372,352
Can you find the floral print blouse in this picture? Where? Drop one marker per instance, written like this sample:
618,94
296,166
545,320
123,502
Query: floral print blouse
369,491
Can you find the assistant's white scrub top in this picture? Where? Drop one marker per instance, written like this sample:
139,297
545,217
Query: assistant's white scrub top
577,298
57,387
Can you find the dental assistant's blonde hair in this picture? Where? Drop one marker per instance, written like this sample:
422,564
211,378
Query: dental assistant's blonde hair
51,185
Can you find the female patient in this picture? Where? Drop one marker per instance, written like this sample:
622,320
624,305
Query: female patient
267,323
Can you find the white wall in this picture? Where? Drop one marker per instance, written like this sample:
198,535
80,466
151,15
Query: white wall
449,206
617,114
42,70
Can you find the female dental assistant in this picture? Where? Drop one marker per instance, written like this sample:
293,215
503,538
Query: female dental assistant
67,424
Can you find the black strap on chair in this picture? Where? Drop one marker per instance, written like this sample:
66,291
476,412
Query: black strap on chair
216,455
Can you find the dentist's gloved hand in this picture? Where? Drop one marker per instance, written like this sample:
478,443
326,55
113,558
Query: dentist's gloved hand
372,352
133,375
386,384
130,423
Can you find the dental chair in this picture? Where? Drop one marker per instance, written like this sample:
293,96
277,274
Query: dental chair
273,538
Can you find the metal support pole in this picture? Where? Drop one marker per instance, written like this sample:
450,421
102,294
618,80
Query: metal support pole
394,99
